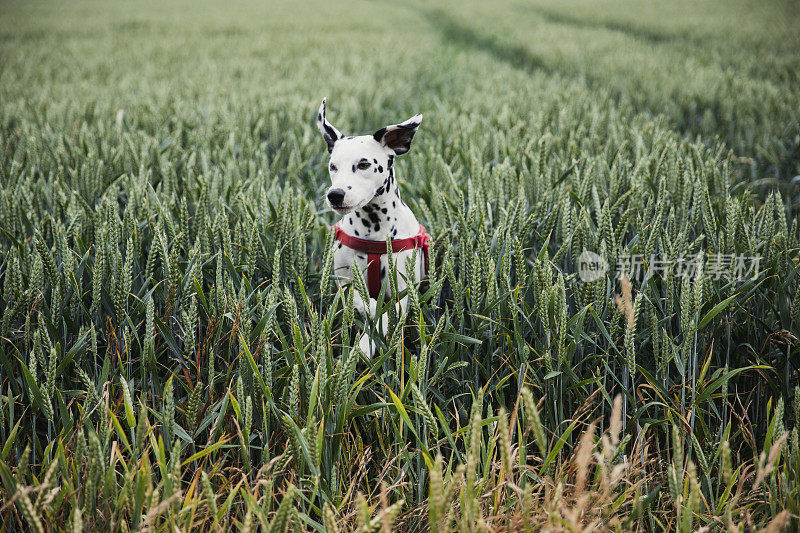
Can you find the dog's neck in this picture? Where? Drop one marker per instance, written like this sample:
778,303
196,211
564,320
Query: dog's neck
386,215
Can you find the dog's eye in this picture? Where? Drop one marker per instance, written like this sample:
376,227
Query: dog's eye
363,165
333,168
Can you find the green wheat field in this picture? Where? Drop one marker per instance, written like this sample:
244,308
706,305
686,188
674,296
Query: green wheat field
176,356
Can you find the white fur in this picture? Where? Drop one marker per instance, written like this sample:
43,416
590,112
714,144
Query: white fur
345,155
372,208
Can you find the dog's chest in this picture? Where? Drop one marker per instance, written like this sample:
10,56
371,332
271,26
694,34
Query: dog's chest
345,259
388,218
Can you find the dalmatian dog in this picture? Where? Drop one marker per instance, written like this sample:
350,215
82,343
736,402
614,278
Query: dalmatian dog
364,192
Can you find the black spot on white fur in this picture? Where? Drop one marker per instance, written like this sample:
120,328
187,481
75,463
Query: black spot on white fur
397,138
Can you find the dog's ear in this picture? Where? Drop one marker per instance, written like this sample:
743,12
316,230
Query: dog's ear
398,136
329,133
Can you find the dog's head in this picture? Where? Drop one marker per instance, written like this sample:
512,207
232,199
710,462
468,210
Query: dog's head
360,166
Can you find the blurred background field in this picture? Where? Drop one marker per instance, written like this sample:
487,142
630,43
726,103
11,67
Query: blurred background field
710,69
173,350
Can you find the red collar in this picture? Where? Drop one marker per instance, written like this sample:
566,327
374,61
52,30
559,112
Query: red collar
375,249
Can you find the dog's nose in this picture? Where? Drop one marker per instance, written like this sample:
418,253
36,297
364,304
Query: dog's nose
335,197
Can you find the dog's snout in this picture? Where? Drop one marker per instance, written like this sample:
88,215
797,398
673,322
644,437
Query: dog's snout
336,196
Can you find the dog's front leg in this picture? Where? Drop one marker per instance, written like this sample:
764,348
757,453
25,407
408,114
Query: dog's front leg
400,308
366,308
366,344
344,261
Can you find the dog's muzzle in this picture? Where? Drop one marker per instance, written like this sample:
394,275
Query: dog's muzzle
336,197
